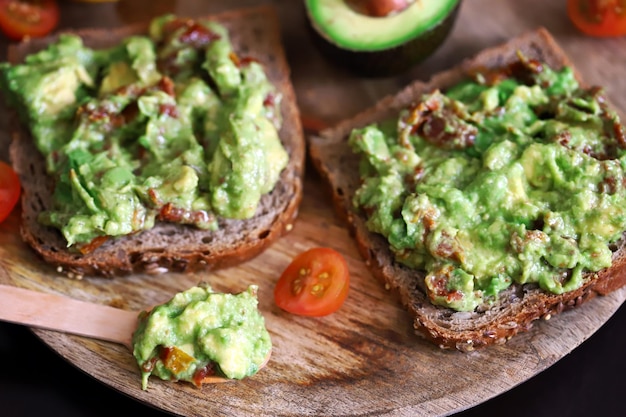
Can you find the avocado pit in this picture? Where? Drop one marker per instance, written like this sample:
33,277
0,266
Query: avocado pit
378,8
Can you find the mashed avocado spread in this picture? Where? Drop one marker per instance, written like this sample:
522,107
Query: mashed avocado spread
515,175
200,333
172,126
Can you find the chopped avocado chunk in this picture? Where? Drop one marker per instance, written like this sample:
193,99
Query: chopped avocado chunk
48,88
521,179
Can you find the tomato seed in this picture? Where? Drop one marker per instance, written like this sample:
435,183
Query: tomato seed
317,290
296,286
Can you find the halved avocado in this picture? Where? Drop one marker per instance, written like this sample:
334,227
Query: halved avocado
380,45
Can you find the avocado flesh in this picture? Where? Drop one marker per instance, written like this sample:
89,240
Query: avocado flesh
389,61
349,29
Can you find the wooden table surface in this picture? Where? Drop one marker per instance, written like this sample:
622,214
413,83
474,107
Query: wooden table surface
364,359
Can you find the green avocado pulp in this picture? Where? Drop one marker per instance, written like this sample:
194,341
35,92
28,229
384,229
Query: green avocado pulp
349,29
201,333
514,176
172,126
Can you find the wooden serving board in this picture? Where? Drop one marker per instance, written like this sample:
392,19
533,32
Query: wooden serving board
364,359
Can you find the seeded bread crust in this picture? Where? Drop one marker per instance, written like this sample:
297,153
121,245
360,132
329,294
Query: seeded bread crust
254,32
520,305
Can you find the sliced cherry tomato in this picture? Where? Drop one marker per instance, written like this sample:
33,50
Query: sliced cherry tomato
9,190
316,283
602,18
28,18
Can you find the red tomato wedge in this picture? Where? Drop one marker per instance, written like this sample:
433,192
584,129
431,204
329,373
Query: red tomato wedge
9,190
28,18
316,283
602,18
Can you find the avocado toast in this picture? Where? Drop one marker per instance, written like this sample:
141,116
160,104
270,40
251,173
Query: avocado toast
174,246
514,307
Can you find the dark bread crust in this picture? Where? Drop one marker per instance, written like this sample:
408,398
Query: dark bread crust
520,305
254,32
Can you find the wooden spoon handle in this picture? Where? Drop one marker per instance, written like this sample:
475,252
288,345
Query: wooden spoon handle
64,314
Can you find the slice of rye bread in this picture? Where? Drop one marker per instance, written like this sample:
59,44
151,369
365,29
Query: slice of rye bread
255,33
519,305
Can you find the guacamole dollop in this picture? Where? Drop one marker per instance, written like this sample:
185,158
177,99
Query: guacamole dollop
201,333
515,175
171,126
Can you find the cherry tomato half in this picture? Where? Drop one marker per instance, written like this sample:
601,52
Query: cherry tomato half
602,18
22,18
316,283
9,190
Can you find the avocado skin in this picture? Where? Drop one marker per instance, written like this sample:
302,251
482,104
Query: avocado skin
390,61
